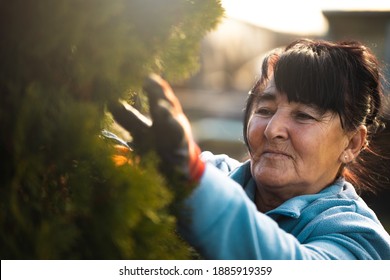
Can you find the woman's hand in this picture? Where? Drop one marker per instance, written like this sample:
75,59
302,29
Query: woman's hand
168,133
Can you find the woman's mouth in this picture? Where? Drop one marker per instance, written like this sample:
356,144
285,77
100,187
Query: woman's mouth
275,154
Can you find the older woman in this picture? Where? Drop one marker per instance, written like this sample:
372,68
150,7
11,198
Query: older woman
308,117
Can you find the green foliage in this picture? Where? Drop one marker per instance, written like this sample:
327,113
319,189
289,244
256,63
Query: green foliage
61,196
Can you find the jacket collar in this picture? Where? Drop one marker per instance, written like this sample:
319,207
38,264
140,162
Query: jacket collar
294,206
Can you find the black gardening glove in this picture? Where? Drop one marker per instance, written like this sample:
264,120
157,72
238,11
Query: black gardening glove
168,133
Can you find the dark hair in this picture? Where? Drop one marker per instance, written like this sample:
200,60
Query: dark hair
342,77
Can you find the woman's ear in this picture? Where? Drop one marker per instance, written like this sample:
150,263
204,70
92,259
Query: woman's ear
357,141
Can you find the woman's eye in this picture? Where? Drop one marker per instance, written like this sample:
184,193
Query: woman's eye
264,112
304,116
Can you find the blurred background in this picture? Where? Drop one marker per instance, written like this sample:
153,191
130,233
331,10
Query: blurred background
230,58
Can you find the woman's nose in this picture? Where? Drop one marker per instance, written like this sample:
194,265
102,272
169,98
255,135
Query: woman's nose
277,127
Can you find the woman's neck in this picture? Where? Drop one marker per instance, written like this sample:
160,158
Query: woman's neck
266,201
269,198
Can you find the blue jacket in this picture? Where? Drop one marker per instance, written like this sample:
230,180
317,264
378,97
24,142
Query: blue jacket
224,222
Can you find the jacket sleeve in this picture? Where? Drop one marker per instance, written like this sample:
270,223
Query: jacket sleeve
225,224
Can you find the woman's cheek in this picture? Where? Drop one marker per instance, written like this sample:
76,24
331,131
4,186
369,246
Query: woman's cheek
255,132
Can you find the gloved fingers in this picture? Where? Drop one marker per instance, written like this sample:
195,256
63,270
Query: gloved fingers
160,94
130,119
166,111
172,131
167,128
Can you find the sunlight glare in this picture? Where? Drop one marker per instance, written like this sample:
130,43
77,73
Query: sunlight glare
302,17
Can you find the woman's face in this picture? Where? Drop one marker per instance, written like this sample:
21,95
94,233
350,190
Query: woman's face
294,147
